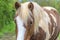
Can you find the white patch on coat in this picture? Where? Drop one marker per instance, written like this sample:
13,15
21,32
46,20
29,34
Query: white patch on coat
53,18
21,29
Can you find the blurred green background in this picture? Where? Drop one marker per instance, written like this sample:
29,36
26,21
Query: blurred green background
7,11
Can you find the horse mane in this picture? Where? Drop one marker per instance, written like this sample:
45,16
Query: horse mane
38,12
40,17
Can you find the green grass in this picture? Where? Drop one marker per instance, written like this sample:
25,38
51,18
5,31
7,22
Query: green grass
10,28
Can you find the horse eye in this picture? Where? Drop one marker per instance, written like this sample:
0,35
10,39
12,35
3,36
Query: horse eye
30,22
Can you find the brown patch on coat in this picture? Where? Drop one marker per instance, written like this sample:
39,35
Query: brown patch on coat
59,23
41,35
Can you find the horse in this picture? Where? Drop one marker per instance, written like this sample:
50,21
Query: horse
34,22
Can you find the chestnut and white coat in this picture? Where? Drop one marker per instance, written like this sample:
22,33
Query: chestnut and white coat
35,22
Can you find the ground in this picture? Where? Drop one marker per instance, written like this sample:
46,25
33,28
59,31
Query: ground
8,37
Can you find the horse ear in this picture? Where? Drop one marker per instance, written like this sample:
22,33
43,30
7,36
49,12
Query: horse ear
30,6
17,5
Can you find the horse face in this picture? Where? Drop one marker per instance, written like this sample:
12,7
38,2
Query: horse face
24,20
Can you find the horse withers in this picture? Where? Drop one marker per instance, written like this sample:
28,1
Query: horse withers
34,22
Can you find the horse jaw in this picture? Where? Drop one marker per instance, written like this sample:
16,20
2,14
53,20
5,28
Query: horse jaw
21,29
